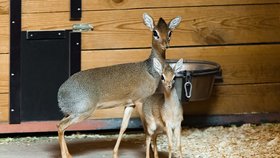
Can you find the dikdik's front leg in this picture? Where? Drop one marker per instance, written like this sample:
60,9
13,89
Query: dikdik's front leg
169,136
177,133
126,116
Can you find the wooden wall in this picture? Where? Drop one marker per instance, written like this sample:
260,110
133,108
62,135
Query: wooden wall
4,60
243,36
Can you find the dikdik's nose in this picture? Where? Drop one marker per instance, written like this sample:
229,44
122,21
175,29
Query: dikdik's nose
164,45
169,86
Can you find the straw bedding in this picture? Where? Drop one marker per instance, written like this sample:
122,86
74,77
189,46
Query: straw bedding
261,141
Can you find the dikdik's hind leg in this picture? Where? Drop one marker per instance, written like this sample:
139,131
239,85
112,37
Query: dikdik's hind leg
154,137
126,116
63,124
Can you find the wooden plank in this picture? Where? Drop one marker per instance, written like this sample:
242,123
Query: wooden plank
240,64
135,123
228,99
101,58
238,99
4,107
116,112
4,7
35,6
200,25
101,113
4,33
4,73
51,126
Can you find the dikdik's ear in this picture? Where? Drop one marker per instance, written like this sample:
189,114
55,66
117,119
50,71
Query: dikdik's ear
179,65
174,23
157,66
148,21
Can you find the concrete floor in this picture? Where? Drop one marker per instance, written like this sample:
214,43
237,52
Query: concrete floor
78,147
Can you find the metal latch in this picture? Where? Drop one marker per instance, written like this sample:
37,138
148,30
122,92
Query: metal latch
82,27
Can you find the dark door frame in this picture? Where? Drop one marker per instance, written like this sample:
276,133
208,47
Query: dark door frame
15,54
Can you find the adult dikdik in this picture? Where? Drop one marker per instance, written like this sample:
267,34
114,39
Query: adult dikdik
118,85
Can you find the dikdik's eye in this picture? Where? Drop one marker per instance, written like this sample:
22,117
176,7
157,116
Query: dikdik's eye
162,78
155,34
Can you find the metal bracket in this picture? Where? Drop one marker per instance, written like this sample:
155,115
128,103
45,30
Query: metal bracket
75,9
15,40
38,35
75,52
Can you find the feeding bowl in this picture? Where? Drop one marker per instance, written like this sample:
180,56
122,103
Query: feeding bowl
196,80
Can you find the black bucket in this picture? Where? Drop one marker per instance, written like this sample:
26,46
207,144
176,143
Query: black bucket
195,81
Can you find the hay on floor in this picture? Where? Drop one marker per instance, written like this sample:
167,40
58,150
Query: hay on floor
261,141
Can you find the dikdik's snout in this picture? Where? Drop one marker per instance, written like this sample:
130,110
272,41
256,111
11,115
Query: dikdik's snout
164,45
169,85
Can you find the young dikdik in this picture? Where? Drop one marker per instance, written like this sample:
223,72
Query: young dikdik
118,85
163,112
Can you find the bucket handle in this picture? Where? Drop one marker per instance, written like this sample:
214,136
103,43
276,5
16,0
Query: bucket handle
188,85
188,89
